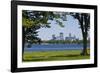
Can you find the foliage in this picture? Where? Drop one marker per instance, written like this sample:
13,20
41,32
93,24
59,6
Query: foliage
64,41
34,20
84,22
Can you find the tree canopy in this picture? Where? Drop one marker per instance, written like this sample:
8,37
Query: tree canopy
33,20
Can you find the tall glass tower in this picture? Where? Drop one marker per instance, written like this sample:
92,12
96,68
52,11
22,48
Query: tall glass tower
61,36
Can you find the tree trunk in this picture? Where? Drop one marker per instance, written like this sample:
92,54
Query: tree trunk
84,51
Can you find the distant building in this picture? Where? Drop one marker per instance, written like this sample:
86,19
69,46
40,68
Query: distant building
71,38
53,37
60,37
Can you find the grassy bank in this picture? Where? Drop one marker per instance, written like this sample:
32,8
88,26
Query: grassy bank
54,55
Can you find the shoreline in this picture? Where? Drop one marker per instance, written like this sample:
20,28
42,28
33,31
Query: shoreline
52,50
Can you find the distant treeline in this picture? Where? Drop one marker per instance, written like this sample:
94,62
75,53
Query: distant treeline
63,41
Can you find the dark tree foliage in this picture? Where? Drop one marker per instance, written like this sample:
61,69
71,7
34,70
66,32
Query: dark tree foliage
34,20
84,22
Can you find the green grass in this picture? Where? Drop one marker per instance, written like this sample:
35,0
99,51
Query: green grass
54,55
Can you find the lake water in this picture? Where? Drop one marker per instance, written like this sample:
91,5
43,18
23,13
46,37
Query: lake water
51,47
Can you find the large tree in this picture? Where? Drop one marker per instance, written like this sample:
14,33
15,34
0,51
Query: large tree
34,20
84,22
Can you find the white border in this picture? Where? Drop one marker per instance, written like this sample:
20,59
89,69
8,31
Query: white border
52,63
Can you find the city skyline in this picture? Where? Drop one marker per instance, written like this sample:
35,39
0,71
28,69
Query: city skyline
61,37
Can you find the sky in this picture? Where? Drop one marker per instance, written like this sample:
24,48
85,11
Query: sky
70,26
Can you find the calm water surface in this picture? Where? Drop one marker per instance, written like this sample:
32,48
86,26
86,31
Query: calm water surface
51,47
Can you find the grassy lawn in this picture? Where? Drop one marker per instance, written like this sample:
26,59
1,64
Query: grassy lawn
54,55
